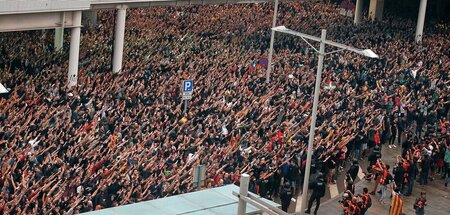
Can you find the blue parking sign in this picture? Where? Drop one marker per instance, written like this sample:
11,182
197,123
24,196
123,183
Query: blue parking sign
188,86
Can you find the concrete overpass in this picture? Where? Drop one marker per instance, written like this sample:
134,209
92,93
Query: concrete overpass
22,15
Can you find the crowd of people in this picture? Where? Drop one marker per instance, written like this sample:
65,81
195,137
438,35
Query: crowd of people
420,160
116,139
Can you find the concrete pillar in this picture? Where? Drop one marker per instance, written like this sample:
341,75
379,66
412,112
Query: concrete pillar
376,10
119,36
421,20
74,54
59,39
243,190
358,12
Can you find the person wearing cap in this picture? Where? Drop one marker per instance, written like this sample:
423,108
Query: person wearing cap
318,192
286,195
420,203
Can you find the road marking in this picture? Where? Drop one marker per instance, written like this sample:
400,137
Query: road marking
360,173
298,204
333,190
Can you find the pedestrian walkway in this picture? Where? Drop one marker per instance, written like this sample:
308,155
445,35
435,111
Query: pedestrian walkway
438,195
332,190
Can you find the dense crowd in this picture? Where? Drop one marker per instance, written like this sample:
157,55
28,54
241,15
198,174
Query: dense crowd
122,138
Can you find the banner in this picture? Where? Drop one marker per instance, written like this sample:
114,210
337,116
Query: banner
396,205
414,72
264,62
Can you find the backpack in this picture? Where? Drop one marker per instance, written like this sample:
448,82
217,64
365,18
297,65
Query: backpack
320,188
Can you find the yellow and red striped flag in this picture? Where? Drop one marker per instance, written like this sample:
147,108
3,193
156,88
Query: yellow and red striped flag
396,205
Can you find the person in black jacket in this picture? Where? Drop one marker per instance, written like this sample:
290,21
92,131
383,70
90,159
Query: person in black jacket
399,177
412,172
318,192
354,169
374,156
293,174
285,196
426,165
275,180
420,203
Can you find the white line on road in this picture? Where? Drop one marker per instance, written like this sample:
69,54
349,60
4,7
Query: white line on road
298,204
333,190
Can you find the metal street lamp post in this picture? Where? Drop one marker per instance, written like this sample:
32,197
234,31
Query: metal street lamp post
321,52
272,38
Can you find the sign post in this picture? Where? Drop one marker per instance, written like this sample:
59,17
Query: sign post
199,176
187,89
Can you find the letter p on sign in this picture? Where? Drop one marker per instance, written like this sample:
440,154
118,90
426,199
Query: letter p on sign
188,86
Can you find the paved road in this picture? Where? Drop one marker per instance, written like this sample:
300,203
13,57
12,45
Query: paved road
437,194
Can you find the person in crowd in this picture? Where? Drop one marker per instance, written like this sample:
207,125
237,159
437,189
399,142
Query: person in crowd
425,166
386,180
393,133
420,204
367,200
318,192
399,176
121,138
352,204
354,169
294,175
286,196
412,172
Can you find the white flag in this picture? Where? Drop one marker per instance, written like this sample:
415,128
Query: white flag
414,72
3,89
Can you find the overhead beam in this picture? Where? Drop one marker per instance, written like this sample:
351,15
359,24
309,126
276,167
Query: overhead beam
42,6
105,4
35,21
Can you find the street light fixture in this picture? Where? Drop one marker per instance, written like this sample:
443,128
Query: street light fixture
321,52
